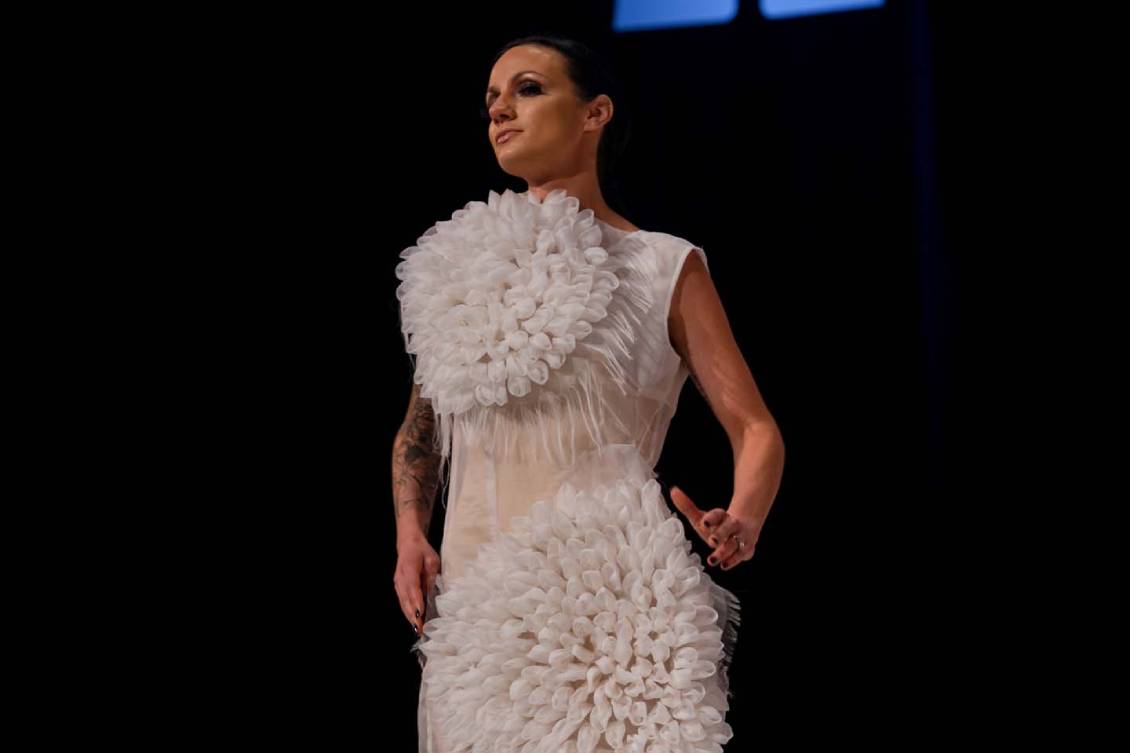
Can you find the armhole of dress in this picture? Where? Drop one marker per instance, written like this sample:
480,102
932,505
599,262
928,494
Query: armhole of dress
680,262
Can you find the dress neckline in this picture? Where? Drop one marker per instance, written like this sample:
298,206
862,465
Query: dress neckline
605,226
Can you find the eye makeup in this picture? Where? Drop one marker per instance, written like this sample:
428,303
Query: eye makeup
528,87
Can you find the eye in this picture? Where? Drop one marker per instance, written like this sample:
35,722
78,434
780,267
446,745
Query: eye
528,88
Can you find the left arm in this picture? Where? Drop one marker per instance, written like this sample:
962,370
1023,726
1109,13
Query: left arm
701,335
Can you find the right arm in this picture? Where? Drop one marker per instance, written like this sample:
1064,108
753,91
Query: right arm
415,470
415,477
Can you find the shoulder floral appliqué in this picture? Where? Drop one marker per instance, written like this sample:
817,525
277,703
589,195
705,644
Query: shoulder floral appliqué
512,301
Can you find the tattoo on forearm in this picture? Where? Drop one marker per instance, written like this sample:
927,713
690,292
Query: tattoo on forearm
415,462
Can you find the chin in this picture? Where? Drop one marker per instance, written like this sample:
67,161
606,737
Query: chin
509,164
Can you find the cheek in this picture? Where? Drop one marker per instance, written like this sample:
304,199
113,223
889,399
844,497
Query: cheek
550,122
553,135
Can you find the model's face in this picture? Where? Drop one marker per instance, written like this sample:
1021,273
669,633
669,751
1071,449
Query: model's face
530,91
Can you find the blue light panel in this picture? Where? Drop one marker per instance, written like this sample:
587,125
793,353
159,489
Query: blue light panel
774,9
629,15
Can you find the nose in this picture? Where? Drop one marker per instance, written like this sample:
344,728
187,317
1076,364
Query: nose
499,111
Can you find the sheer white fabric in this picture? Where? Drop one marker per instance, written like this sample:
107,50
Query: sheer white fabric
570,614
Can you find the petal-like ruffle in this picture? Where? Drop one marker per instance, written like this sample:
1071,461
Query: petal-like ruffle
518,313
589,625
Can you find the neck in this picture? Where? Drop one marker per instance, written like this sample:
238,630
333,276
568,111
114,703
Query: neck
586,190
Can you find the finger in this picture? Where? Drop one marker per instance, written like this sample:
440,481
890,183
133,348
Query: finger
432,569
739,556
686,506
714,518
431,588
421,610
723,552
727,528
407,608
408,589
434,566
729,545
415,604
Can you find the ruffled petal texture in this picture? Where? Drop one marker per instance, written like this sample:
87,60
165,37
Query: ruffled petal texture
516,311
589,625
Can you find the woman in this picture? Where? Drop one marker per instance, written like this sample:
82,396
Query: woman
551,345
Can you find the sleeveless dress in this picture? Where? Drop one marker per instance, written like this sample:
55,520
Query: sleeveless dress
570,614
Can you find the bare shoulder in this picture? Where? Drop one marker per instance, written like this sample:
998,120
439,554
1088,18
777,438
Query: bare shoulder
693,292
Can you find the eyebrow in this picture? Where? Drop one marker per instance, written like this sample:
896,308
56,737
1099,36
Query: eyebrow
492,90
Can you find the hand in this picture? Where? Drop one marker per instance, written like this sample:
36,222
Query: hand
720,529
417,565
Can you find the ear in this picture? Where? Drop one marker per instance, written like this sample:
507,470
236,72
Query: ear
599,112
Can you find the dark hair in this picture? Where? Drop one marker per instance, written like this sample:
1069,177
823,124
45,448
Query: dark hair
591,75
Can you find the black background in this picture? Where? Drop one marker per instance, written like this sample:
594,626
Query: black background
847,175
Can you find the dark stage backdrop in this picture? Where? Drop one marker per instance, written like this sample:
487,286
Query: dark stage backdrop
799,155
819,163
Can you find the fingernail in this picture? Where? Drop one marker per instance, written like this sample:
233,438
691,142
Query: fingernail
712,561
713,541
417,612
414,630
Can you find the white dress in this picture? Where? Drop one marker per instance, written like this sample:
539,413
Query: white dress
570,614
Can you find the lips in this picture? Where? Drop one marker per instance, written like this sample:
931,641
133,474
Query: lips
498,139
